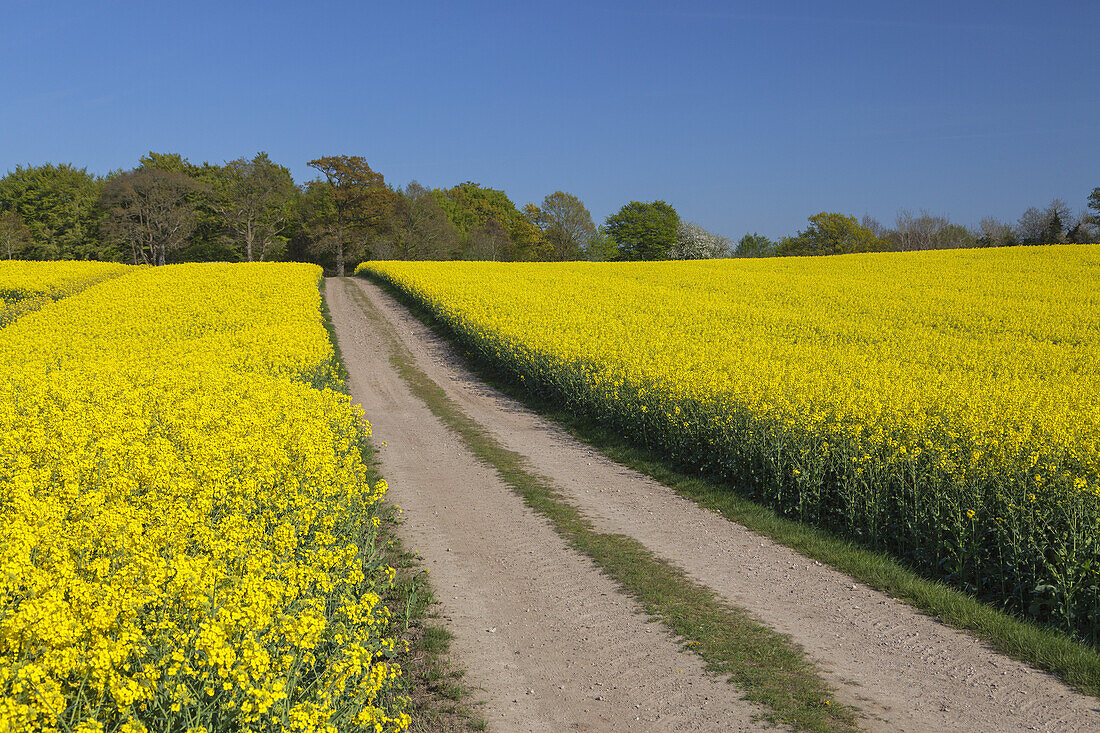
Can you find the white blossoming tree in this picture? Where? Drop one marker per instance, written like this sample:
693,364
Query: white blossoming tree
693,242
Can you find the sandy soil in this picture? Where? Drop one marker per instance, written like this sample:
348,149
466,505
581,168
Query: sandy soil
496,565
549,640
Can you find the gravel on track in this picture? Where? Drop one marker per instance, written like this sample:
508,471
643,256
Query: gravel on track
496,564
549,641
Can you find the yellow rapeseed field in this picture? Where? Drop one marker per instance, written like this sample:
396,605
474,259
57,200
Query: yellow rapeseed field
943,406
27,286
189,533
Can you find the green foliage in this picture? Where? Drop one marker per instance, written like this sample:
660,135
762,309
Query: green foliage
601,247
755,245
832,234
644,231
170,163
251,209
254,199
470,207
566,224
309,224
210,238
57,205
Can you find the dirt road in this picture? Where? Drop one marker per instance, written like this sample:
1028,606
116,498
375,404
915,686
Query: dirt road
555,646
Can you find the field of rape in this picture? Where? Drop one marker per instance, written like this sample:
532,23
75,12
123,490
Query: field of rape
941,406
27,286
190,539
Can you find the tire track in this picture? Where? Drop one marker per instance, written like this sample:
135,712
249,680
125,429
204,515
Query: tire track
907,671
551,642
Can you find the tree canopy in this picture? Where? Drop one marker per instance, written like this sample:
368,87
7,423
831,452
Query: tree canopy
470,207
831,233
565,223
15,237
360,205
150,212
254,198
644,231
251,209
693,242
755,245
57,205
420,229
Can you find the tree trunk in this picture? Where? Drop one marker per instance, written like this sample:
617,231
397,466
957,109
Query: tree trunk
340,257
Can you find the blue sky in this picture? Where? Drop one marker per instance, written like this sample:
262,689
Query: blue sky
744,116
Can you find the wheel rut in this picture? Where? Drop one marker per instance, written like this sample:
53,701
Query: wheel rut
549,640
495,563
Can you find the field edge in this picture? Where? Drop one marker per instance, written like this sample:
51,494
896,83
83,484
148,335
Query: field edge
1043,647
438,700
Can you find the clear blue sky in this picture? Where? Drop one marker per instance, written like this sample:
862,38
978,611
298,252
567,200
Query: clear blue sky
744,116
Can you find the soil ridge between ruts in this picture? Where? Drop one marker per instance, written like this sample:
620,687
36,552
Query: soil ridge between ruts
549,641
901,667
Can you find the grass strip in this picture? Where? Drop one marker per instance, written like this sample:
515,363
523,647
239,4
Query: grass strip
439,701
432,680
767,666
1043,647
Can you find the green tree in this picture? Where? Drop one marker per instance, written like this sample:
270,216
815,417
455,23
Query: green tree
470,206
57,204
832,234
359,205
1058,216
565,224
755,245
170,163
644,231
601,247
15,237
254,197
211,237
313,224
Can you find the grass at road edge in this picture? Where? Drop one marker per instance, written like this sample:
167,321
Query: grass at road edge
766,666
1043,647
438,700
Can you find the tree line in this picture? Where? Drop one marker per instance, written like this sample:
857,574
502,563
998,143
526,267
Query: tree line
168,209
835,233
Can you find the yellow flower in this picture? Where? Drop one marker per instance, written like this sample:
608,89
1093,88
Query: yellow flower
186,505
908,381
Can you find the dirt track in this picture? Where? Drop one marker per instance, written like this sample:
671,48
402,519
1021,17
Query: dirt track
555,646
